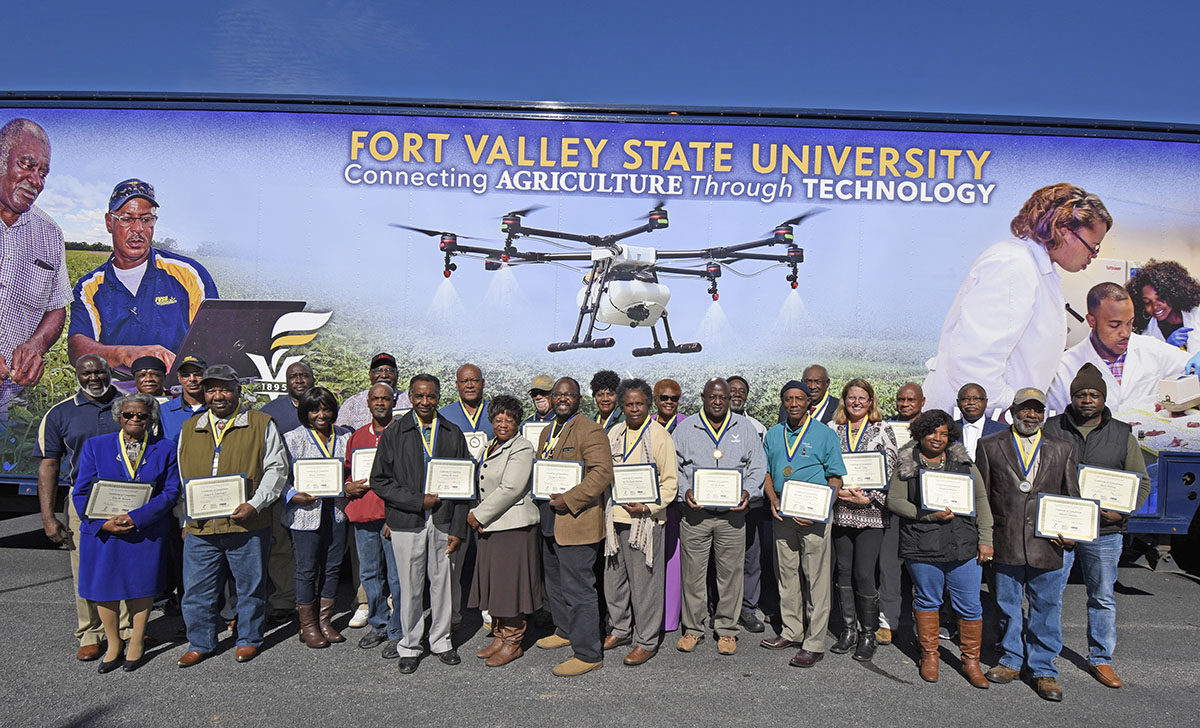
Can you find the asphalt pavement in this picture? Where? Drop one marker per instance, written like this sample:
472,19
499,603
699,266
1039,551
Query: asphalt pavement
291,685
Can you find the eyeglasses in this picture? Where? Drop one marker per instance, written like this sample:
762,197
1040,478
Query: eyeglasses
1094,251
139,416
668,398
129,220
858,400
538,393
383,369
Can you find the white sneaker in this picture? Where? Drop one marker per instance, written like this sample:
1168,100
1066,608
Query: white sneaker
360,618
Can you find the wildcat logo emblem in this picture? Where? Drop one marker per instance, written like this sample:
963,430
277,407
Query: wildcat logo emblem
292,329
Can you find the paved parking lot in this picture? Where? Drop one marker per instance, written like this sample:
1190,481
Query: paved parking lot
290,685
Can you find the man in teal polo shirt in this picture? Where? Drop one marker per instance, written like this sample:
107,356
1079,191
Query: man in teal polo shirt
803,449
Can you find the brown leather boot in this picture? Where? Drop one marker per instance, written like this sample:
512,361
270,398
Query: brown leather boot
927,638
325,621
513,632
310,634
497,641
970,635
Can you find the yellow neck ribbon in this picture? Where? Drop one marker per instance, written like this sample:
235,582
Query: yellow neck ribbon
719,432
326,448
1027,459
474,421
218,434
431,443
641,432
132,467
856,439
819,410
793,446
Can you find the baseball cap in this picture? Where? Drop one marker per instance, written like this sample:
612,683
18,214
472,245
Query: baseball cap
191,360
148,362
220,373
129,189
1029,394
542,383
383,358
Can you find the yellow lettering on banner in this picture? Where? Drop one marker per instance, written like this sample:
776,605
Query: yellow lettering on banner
838,162
932,163
412,147
677,158
722,156
393,146
357,144
635,159
756,159
699,147
864,158
656,145
977,162
522,160
790,158
437,140
595,151
476,151
888,156
913,157
570,150
500,151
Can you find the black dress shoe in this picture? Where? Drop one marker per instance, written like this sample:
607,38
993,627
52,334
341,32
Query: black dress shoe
751,622
805,658
106,667
408,665
449,657
390,651
131,665
372,640
776,643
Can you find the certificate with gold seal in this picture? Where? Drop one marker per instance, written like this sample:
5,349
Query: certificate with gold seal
807,501
717,487
551,477
940,490
865,470
1117,490
109,498
1076,519
450,478
320,477
214,497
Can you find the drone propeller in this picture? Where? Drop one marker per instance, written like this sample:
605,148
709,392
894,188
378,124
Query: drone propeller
659,206
801,218
526,211
434,233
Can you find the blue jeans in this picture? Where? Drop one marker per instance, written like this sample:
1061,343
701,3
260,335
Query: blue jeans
1098,563
931,579
377,569
1037,643
319,557
204,561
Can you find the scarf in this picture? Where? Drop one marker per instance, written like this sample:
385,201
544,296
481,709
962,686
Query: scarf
641,532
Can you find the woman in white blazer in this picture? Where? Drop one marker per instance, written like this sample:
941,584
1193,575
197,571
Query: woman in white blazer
508,571
1007,327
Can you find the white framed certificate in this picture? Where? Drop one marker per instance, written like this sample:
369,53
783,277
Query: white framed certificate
214,497
477,443
940,490
717,487
320,477
635,484
1077,519
361,462
808,501
532,431
1117,490
901,431
865,470
109,498
450,478
551,477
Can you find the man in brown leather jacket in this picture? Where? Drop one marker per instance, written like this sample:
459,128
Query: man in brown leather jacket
1018,465
569,558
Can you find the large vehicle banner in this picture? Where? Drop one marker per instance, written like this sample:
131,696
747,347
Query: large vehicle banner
318,209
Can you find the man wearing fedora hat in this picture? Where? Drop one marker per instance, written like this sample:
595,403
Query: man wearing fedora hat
142,300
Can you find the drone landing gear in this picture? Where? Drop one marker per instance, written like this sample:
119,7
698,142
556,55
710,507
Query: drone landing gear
589,344
671,347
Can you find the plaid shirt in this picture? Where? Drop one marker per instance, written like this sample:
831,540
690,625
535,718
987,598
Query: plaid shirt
1116,366
33,277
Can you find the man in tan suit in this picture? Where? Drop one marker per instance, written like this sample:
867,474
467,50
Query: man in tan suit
569,556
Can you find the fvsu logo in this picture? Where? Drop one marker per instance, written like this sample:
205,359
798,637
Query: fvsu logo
292,329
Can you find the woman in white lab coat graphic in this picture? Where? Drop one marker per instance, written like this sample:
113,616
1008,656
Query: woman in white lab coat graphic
1167,303
1007,326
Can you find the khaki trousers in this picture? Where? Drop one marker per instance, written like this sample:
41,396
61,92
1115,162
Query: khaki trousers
88,629
723,534
802,566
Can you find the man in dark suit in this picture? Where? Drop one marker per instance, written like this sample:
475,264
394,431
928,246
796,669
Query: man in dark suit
1017,466
823,404
972,402
573,530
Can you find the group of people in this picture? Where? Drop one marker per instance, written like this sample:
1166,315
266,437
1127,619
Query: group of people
559,558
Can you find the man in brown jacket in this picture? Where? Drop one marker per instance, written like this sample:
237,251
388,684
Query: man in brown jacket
1018,465
569,557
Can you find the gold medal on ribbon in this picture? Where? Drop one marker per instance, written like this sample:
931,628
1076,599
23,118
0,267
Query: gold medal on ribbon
717,454
787,471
